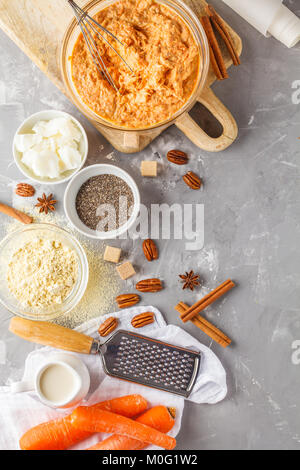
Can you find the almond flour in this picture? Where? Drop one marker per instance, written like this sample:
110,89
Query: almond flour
102,289
42,273
104,283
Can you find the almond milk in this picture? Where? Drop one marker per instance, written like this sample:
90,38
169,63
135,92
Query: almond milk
58,383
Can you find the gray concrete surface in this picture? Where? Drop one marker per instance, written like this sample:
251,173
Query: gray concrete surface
251,197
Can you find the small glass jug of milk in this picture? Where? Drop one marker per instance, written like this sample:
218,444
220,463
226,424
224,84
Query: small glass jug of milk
61,382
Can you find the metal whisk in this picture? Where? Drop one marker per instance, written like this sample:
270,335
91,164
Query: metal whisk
90,26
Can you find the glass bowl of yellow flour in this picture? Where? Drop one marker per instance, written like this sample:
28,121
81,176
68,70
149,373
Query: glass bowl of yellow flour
43,272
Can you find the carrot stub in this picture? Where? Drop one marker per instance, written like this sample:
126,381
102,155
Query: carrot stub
129,405
60,434
97,420
160,418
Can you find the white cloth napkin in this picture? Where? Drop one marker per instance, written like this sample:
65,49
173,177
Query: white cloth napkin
21,411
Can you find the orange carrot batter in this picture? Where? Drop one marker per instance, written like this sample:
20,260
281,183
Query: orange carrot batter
161,50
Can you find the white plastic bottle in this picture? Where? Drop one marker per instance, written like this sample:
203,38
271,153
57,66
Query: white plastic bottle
270,17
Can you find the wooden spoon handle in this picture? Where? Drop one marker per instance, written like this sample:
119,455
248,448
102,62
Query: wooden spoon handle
50,334
20,216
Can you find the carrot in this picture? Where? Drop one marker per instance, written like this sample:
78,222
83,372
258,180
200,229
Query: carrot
60,434
160,418
96,420
129,406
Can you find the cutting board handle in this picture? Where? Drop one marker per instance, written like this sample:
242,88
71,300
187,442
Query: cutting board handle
50,334
198,136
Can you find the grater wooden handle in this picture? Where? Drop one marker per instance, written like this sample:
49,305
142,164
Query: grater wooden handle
50,334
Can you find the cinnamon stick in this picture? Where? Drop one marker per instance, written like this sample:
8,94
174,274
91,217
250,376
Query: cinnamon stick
216,57
215,65
18,215
221,27
212,331
207,300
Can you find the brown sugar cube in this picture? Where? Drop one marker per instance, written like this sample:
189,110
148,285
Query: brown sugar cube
149,168
126,270
112,254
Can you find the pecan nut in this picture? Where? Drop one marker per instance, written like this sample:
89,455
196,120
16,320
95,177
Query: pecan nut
178,157
142,319
192,180
127,300
24,190
150,249
108,326
149,285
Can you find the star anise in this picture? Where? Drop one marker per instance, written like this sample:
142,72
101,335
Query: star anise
46,204
190,280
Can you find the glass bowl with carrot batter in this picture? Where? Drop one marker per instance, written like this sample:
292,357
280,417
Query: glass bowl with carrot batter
165,46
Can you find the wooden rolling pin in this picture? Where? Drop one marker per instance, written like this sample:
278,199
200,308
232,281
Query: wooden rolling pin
207,327
18,215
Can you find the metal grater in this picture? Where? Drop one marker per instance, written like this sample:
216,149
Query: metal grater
125,355
149,362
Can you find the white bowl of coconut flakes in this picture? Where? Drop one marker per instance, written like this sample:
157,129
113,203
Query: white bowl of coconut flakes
50,147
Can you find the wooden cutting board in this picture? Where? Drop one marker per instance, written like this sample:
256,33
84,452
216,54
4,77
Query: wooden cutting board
38,27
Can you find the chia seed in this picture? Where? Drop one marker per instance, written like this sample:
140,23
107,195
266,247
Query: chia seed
105,190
